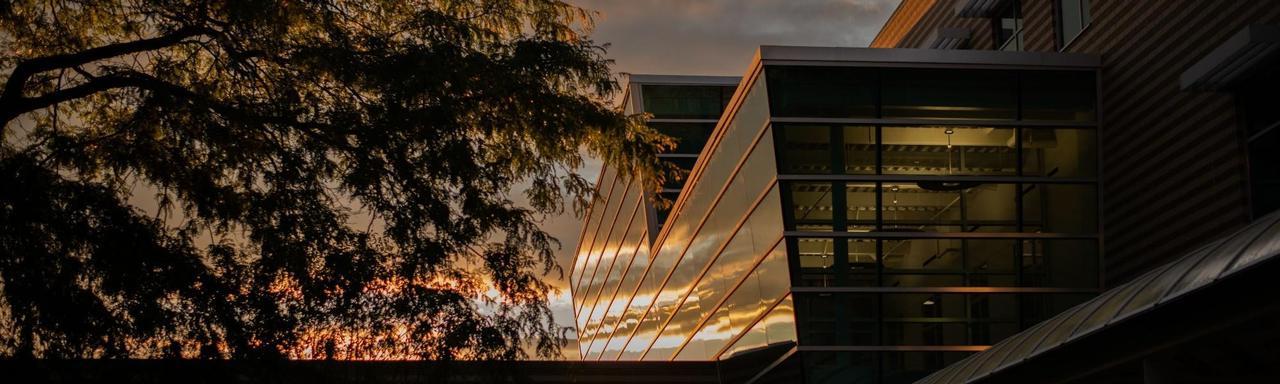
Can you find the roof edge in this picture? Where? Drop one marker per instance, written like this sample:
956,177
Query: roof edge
800,54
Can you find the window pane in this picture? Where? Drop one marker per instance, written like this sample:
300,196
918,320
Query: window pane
811,206
840,367
994,317
949,262
837,318
949,94
684,165
1060,263
668,198
861,263
1058,95
805,91
1007,27
1070,21
690,137
1264,175
804,149
1059,152
860,204
949,151
1060,208
816,258
944,207
921,306
826,262
683,101
859,150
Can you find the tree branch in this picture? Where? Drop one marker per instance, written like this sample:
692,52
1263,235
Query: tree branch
12,101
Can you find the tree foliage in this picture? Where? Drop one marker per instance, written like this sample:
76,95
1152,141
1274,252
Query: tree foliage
333,178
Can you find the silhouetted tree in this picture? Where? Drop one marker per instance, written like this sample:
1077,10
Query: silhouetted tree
333,178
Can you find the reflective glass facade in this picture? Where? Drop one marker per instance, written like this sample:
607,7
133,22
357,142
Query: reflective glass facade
874,221
709,280
931,212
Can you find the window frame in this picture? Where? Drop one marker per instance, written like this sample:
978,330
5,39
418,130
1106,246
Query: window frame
1086,21
997,19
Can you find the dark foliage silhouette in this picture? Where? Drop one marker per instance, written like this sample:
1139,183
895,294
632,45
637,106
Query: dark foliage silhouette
333,179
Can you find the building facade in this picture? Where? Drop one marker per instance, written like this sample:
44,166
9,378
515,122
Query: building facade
1180,151
837,225
998,191
1190,148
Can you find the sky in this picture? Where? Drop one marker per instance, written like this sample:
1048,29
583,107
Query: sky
707,37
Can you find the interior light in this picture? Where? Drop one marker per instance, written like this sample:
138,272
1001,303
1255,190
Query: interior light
928,302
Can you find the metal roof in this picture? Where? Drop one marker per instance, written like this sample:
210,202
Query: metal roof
1194,271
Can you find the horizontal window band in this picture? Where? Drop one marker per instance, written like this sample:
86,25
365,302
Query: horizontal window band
796,289
936,122
893,348
941,235
919,178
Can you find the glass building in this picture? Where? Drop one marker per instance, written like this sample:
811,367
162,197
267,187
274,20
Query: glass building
856,215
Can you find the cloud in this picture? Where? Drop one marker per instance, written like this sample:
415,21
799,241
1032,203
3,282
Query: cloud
719,36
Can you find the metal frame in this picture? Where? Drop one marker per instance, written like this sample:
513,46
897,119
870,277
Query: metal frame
907,58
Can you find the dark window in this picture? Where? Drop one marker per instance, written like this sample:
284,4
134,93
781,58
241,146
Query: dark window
1006,26
804,149
1072,18
1264,171
1262,129
690,137
663,208
685,101
1059,95
821,91
949,94
685,165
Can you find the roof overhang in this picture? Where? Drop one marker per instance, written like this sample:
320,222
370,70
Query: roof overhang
1235,60
647,79
913,57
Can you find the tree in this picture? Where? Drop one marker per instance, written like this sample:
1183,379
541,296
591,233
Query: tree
334,178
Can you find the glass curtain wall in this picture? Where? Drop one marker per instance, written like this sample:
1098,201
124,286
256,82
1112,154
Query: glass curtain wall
687,113
930,213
